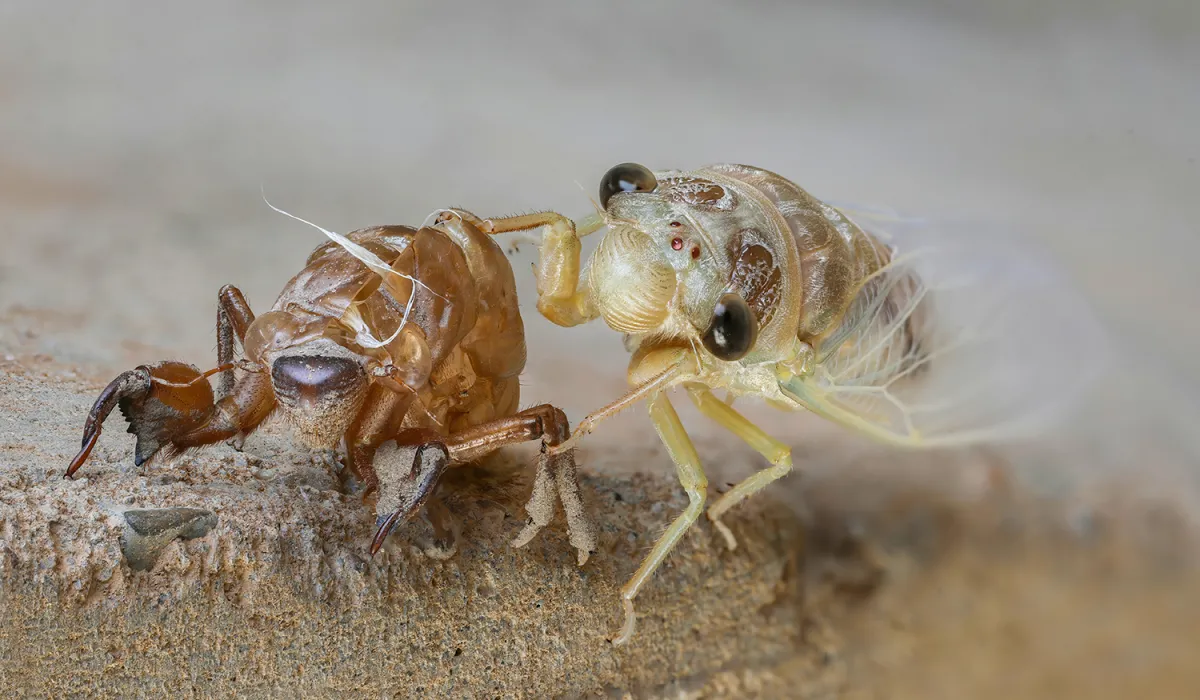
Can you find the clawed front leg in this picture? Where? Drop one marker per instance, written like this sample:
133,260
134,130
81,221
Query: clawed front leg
403,491
171,405
379,420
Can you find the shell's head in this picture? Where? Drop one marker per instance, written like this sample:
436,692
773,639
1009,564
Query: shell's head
664,265
319,383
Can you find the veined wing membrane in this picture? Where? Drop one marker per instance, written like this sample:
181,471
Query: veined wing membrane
966,336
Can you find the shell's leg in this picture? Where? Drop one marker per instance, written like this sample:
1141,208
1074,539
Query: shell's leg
234,316
691,477
559,297
165,401
545,423
236,415
777,453
406,489
379,420
556,475
171,405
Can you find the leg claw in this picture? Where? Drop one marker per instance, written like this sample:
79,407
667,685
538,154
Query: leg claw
558,471
528,532
730,540
626,632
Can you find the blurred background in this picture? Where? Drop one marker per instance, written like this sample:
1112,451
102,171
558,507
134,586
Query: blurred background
137,140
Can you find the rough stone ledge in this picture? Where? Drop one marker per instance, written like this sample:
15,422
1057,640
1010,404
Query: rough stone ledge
878,587
281,598
279,595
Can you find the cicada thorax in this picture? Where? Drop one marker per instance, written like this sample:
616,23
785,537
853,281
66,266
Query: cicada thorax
846,298
747,252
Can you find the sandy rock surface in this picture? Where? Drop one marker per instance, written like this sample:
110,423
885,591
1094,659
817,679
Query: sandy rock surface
280,594
864,586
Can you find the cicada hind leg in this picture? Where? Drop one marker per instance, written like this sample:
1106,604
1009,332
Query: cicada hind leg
691,476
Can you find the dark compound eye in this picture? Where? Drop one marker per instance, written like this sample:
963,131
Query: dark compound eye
733,329
626,177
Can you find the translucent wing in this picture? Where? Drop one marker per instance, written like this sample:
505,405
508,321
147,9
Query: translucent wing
965,336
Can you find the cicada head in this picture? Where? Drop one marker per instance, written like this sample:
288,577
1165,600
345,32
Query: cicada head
684,257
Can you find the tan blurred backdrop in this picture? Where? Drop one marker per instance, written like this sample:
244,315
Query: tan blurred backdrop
135,137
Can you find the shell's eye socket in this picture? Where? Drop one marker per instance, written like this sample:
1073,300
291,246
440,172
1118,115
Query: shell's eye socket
733,329
676,244
626,177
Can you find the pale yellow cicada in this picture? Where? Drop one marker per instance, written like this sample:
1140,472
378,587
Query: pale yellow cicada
733,278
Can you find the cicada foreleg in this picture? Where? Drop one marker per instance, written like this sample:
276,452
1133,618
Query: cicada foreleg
560,298
777,453
664,379
691,477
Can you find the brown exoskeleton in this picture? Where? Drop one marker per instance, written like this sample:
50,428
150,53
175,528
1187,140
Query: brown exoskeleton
388,333
732,277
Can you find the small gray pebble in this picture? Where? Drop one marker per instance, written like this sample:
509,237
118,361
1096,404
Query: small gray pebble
148,532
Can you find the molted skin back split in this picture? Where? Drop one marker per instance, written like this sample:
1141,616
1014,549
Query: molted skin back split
389,335
464,315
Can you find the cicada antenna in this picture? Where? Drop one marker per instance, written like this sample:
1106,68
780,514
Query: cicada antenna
596,205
